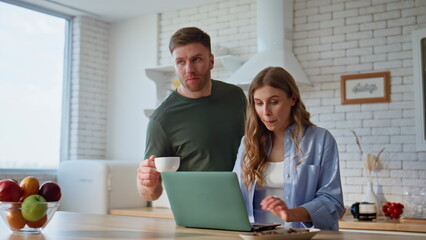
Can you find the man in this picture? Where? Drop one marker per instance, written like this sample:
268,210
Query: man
202,122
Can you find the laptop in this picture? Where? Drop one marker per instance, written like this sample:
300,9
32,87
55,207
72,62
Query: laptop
209,200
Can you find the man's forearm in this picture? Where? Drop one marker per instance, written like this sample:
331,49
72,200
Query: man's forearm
150,194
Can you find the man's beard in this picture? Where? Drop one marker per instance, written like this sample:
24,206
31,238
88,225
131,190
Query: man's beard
199,85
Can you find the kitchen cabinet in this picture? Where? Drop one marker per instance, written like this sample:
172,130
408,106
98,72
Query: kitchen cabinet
163,77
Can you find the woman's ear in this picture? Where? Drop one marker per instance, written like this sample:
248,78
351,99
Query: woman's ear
293,99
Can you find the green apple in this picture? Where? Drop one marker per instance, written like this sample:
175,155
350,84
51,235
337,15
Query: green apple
34,208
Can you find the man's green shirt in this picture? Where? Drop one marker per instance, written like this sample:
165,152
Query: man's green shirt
205,132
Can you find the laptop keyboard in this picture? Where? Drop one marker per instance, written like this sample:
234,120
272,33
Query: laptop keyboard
256,227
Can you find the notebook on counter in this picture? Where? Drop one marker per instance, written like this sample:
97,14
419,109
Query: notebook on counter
209,200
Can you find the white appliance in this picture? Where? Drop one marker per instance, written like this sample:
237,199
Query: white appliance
96,186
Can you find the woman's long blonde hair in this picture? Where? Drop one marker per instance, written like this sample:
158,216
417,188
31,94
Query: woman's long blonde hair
257,135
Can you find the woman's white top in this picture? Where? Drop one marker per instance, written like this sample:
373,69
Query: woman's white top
274,182
274,177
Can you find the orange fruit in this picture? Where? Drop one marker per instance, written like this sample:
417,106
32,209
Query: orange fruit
15,219
38,224
30,185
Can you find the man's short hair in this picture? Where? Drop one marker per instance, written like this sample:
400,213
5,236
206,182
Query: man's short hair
189,35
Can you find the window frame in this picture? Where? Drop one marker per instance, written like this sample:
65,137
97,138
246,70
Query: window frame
66,87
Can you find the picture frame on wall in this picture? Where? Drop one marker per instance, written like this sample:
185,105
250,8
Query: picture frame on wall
365,88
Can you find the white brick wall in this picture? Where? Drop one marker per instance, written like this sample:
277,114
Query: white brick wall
89,89
376,38
231,24
333,38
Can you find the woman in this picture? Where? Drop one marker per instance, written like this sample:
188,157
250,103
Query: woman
288,168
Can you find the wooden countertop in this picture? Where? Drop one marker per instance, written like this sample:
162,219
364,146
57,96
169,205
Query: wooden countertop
80,226
403,224
153,212
348,222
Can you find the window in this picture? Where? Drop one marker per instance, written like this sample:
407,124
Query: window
34,80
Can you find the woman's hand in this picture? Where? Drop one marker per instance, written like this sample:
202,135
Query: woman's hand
276,206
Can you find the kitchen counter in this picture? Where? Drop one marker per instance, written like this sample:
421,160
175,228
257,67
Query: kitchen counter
79,226
403,224
348,222
153,212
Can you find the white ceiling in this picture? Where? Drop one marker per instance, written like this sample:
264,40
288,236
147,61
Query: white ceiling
117,10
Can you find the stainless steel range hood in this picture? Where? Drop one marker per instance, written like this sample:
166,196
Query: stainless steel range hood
274,43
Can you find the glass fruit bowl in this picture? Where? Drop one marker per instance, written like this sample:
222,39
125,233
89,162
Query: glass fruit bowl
29,218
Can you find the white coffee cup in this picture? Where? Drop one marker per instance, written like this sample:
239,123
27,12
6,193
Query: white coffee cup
167,164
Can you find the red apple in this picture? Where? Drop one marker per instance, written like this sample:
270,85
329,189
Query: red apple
50,191
12,179
10,191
